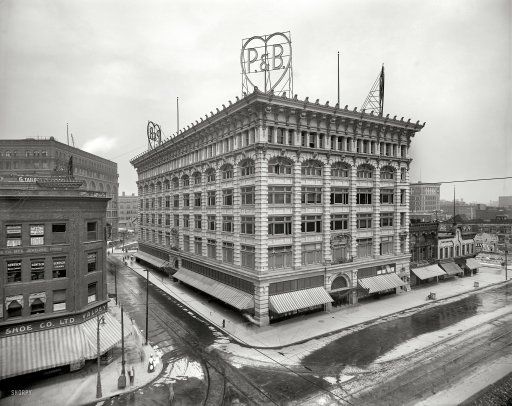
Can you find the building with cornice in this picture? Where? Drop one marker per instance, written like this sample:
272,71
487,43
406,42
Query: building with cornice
278,206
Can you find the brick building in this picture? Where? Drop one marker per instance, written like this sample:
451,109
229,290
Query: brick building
276,206
425,197
52,275
29,158
128,210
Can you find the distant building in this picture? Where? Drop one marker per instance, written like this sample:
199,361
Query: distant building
128,211
425,197
485,242
488,213
466,210
52,274
505,201
30,159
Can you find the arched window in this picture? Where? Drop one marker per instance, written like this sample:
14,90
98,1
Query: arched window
93,185
365,172
197,178
167,184
175,183
101,186
387,173
312,168
158,186
247,167
210,175
340,282
227,171
340,170
185,180
146,189
152,188
280,166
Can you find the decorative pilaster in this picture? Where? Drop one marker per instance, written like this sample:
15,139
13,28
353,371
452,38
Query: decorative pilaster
218,211
204,217
236,215
326,212
352,197
261,211
376,211
261,304
296,214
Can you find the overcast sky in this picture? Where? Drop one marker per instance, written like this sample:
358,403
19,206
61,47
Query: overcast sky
107,67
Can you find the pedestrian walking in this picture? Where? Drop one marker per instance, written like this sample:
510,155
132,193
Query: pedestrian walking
131,374
223,323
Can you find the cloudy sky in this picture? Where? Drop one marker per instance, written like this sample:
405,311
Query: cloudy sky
107,67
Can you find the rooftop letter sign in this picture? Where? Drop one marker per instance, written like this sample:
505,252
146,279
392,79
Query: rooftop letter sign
154,135
266,62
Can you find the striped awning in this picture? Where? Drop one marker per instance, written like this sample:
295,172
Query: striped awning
472,263
110,335
151,259
380,283
25,353
228,294
451,268
430,271
299,299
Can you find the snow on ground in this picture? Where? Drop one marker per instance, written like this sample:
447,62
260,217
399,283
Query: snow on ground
428,339
472,383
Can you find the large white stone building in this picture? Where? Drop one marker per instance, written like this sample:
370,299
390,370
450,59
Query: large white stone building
277,205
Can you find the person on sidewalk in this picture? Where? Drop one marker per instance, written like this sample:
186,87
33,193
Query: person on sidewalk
131,374
151,364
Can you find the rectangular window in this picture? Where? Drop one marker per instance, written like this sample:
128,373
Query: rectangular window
152,203
311,254
339,195
186,221
227,224
386,245
280,225
13,234
339,221
167,202
364,220
211,223
402,219
91,292
364,196
280,257
186,200
211,248
281,136
153,219
37,234
37,303
247,195
197,221
402,196
176,220
159,202
186,243
311,195
386,219
58,233
403,173
227,252
211,198
176,201
227,197
247,225
59,267
92,262
364,247
159,219
279,195
198,245
387,196
247,256
92,232
59,300
311,224
197,199
14,271
37,269
167,219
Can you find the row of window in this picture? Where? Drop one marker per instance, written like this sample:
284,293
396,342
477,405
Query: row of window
39,234
276,166
58,266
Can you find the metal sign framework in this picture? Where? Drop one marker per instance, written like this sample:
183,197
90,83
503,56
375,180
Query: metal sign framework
271,55
374,102
154,135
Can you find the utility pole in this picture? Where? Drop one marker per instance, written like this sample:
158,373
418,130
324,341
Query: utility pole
98,378
338,78
147,303
115,280
177,116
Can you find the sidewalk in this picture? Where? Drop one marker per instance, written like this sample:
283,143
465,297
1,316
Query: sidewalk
304,328
79,387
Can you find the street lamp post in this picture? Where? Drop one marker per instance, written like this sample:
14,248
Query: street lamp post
147,303
121,382
115,280
99,319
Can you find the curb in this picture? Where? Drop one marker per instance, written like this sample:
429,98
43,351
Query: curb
369,321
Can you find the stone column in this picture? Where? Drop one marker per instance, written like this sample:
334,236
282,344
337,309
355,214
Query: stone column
326,212
376,211
261,212
204,217
352,192
296,215
218,211
261,303
236,215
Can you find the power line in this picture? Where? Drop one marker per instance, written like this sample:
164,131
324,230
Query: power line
472,180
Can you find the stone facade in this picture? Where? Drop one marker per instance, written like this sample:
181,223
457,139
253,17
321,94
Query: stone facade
316,191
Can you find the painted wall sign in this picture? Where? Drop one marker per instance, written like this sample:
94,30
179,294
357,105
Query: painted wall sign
266,62
52,323
29,250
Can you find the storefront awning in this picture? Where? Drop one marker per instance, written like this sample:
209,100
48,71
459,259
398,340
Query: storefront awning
25,353
380,283
299,299
472,263
451,268
228,294
430,271
151,259
110,335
